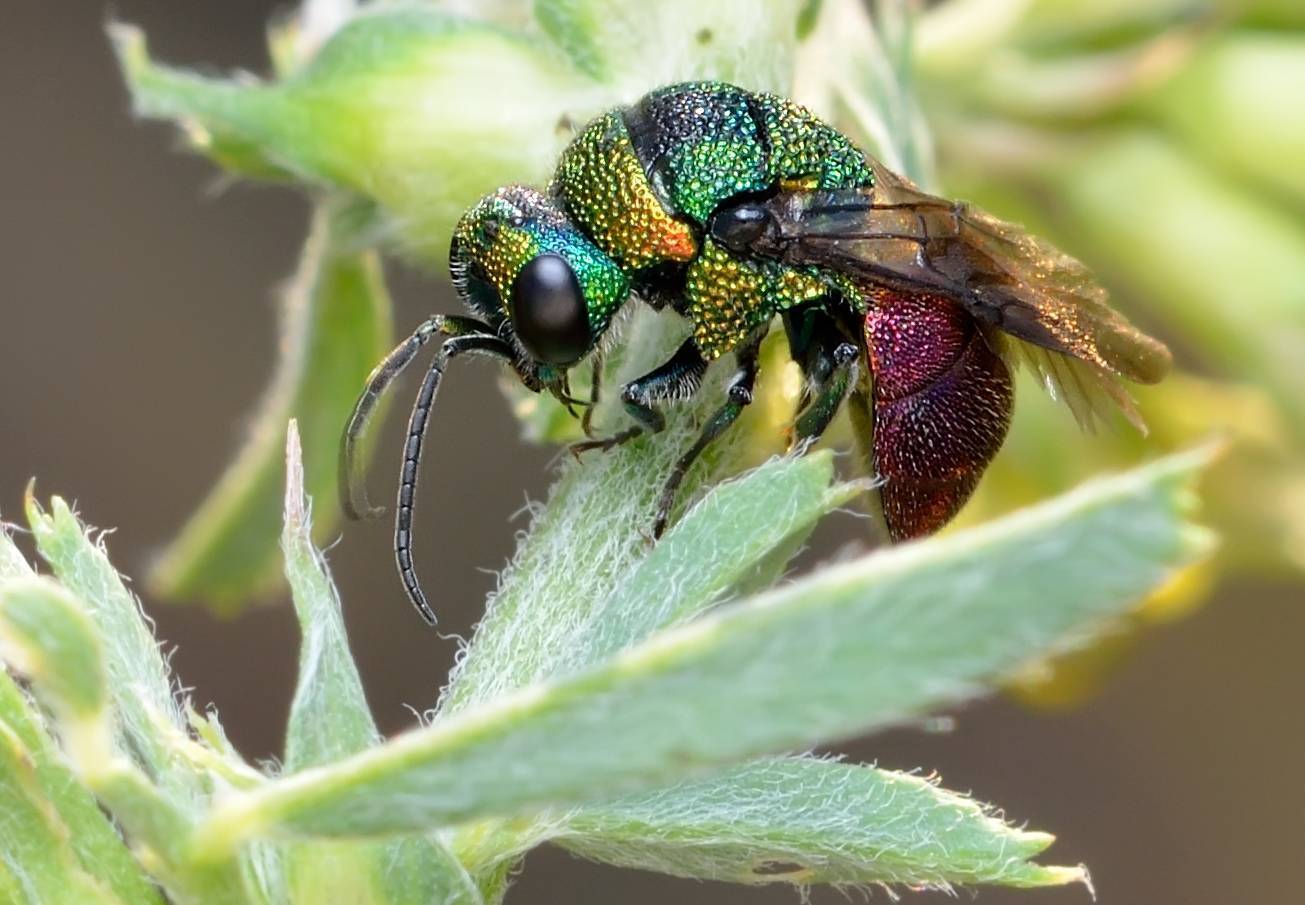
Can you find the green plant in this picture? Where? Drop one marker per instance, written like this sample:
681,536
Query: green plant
632,704
622,711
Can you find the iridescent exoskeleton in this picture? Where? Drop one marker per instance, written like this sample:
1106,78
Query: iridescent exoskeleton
739,210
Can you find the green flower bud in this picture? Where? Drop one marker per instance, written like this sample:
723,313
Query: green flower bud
408,106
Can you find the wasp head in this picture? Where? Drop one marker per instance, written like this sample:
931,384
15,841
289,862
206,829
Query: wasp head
520,264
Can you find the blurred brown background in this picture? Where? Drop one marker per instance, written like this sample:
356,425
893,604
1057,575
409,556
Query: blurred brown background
139,329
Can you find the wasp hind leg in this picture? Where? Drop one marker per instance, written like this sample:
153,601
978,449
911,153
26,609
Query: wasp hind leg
829,362
941,403
828,394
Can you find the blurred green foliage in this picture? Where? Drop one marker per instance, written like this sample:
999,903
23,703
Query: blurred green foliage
1162,142
335,326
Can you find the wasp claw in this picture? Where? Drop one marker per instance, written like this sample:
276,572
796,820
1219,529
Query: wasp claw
607,444
579,449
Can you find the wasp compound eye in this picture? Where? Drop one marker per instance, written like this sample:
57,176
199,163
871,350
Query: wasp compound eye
548,311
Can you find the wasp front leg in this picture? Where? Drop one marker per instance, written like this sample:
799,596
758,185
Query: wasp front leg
595,389
677,378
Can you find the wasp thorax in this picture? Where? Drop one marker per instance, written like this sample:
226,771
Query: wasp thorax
519,262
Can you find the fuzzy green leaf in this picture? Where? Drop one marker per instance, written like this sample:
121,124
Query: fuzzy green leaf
563,604
713,548
800,820
47,634
139,683
554,585
73,651
95,647
851,648
53,828
12,562
329,719
35,844
161,833
336,326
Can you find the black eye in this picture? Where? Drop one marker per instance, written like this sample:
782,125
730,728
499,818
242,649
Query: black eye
548,311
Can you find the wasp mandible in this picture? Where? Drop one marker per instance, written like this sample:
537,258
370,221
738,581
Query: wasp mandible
735,208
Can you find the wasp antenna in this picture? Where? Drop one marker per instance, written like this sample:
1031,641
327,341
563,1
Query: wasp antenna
352,485
353,490
417,422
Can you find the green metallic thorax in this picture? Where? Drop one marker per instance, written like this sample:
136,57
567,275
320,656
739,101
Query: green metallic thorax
643,182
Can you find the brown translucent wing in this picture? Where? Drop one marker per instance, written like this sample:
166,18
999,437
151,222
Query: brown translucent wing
897,236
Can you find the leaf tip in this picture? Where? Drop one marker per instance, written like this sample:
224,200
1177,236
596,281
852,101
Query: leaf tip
130,50
296,508
1182,472
1198,541
1186,464
31,507
1034,842
1058,875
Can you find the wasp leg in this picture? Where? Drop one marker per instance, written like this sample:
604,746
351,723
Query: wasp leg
828,358
595,383
860,412
738,396
677,378
840,374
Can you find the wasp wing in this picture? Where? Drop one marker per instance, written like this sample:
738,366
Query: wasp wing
897,236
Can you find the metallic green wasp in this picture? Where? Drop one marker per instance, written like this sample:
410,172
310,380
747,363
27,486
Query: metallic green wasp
736,209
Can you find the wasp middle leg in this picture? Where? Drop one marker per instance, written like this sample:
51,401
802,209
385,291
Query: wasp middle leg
738,396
